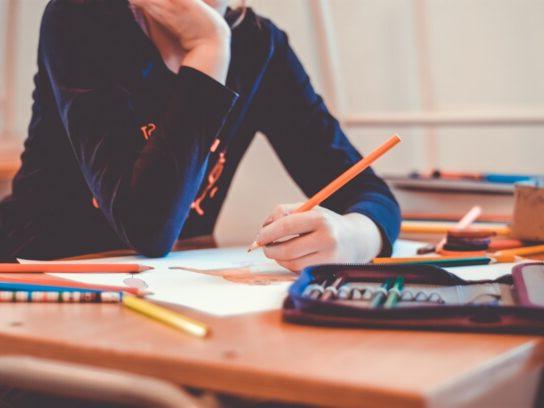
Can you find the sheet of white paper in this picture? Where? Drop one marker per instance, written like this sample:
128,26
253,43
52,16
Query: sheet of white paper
223,297
404,248
210,294
482,272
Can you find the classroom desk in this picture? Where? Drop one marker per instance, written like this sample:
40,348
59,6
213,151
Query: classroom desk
257,355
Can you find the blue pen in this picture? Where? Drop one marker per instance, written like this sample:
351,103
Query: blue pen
14,286
506,178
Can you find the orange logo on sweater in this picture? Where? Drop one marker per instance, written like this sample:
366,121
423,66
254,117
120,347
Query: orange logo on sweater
147,130
211,187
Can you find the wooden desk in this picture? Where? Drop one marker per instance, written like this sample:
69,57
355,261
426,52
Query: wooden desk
258,355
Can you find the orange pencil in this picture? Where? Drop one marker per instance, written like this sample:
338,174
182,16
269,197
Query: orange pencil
432,227
531,250
43,279
51,267
343,179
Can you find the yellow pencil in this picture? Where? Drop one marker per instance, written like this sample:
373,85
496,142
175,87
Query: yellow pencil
169,317
419,227
532,250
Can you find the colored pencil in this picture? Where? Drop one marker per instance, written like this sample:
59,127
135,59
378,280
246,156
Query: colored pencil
532,250
465,222
453,217
499,178
394,293
504,244
331,291
316,290
343,179
46,280
166,316
421,227
16,296
381,294
469,218
446,261
42,288
52,267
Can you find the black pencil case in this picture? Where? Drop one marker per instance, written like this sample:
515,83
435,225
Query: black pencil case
431,299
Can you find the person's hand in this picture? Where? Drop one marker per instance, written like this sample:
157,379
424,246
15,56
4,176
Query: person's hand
202,33
318,236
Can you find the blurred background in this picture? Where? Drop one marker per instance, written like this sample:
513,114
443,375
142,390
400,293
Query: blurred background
462,81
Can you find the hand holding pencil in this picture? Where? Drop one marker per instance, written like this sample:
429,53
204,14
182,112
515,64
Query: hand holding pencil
304,234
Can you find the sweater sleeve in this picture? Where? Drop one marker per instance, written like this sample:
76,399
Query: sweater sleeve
143,186
313,147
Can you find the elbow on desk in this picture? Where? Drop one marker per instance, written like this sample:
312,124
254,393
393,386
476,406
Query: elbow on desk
151,249
151,244
149,230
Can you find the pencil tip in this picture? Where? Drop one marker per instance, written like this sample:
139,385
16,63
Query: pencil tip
254,245
144,268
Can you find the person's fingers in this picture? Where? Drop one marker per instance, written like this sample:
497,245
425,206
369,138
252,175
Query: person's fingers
293,224
297,265
297,247
155,9
279,211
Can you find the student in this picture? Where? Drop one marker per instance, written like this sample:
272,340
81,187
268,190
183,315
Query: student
142,113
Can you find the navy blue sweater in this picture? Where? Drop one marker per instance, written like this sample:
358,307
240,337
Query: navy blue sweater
121,152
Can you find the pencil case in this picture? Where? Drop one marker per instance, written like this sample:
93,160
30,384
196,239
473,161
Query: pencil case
431,299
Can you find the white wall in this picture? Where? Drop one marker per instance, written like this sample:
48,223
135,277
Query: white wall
485,56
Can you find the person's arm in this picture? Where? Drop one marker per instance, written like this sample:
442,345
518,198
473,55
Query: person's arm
200,33
143,187
360,220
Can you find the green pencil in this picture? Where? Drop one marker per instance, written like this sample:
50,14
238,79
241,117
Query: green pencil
394,293
446,261
381,293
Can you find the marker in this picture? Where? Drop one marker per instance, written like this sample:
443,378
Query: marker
394,293
332,290
381,293
316,290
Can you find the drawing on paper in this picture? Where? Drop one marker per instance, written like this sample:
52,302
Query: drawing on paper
249,274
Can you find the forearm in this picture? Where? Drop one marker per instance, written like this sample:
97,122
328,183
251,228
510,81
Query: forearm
211,58
192,31
364,237
145,187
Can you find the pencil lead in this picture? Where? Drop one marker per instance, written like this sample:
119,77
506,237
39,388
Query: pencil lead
254,245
